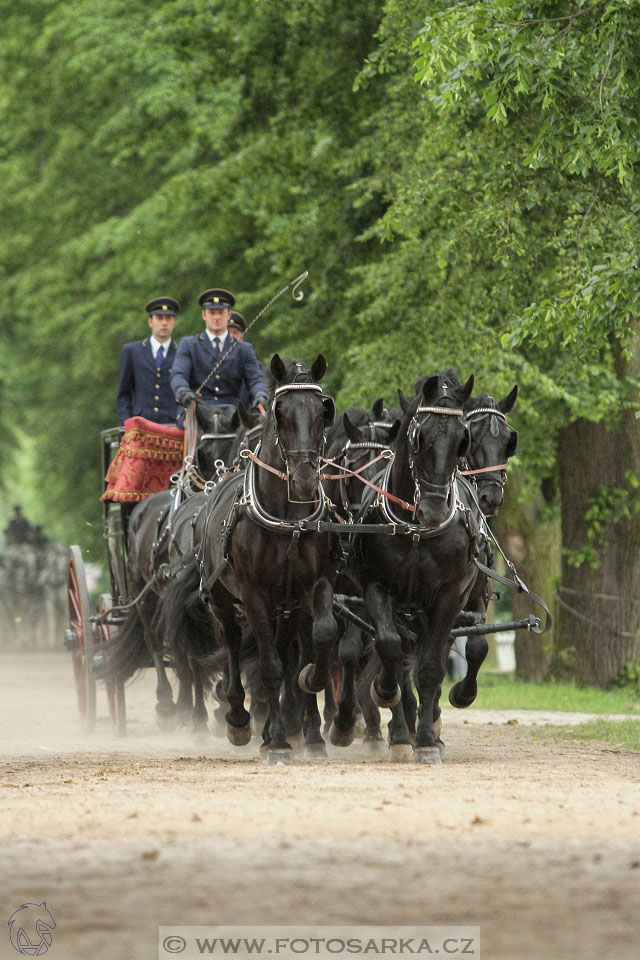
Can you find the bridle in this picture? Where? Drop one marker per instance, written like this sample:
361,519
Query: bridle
346,461
497,473
422,487
310,456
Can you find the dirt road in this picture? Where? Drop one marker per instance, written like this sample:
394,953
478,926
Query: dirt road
533,838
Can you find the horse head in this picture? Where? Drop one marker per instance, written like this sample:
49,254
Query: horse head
368,435
299,413
432,437
493,441
216,434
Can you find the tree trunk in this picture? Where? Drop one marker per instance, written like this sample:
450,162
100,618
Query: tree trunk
599,609
531,540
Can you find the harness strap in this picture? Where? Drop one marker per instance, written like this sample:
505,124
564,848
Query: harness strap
518,586
471,473
261,463
373,486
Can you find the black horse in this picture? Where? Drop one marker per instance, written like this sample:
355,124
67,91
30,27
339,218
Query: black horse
493,442
258,547
416,581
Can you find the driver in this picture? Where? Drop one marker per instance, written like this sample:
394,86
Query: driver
233,361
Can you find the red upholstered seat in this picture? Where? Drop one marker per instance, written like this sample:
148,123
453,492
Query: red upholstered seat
150,453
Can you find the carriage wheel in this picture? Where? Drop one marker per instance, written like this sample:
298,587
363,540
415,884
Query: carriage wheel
106,634
80,639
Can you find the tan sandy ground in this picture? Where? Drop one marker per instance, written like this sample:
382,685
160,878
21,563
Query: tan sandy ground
533,838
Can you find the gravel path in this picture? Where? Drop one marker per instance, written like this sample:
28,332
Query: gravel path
534,838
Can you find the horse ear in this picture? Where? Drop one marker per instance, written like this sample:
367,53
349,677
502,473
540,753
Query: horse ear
404,403
378,408
318,368
419,384
466,390
393,431
428,384
277,368
512,445
329,410
509,401
352,432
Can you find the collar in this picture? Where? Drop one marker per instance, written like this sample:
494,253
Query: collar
222,337
155,346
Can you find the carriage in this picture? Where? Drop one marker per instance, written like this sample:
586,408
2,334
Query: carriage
90,636
91,633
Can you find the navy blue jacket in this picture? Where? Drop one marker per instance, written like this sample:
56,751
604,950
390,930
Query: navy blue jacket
196,359
144,389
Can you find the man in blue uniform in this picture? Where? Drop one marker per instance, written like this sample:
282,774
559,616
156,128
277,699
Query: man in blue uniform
145,368
233,362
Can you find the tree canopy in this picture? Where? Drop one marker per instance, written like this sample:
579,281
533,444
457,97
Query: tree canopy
460,180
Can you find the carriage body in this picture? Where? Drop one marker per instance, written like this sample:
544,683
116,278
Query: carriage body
153,452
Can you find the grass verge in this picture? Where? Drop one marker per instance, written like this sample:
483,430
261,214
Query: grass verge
624,733
501,692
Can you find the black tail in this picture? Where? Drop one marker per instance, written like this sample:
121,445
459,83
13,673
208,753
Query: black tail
127,653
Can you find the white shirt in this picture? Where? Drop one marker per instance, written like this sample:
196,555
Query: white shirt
155,346
221,337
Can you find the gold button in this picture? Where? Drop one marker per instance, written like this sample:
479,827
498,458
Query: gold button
156,398
217,388
217,376
155,409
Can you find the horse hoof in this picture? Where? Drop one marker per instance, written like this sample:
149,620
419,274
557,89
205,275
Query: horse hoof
427,755
441,748
379,701
400,752
316,750
302,679
342,738
456,699
274,756
239,736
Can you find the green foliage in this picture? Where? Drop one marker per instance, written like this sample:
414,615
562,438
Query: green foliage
629,677
609,506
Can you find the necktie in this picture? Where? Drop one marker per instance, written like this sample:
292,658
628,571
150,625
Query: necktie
216,346
160,356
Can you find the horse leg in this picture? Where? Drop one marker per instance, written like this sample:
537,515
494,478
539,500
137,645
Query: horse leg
431,669
330,706
315,676
367,669
464,692
184,703
385,689
343,730
292,707
271,672
314,745
200,715
165,707
230,634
